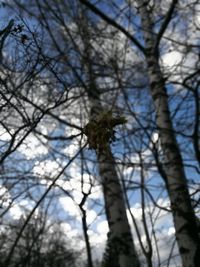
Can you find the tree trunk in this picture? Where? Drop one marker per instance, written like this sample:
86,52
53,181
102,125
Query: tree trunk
120,242
87,241
121,250
176,182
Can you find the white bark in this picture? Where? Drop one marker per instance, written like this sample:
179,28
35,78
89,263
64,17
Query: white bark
120,237
183,214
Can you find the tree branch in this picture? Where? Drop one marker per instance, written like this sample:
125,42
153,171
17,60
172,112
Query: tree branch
110,21
165,23
4,33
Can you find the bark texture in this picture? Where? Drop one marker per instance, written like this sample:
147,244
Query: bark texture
120,242
121,251
176,182
120,247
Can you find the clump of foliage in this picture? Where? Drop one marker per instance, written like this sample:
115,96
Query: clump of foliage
100,130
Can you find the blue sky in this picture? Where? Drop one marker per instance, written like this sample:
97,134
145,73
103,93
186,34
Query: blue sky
45,158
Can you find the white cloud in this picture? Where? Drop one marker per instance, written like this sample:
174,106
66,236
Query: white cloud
4,197
28,204
66,227
102,228
73,210
155,137
4,135
15,212
98,239
71,150
91,216
162,225
171,59
171,231
96,192
136,210
47,168
43,129
32,147
77,195
70,207
74,185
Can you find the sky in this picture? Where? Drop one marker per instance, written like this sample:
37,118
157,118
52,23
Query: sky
68,206
37,152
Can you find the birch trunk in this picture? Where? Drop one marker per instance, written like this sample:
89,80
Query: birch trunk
122,252
120,238
176,182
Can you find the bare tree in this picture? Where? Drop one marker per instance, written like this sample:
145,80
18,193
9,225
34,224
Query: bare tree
176,182
41,244
84,74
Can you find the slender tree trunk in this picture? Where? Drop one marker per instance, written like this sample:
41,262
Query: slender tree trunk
176,182
121,249
87,241
196,135
120,238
